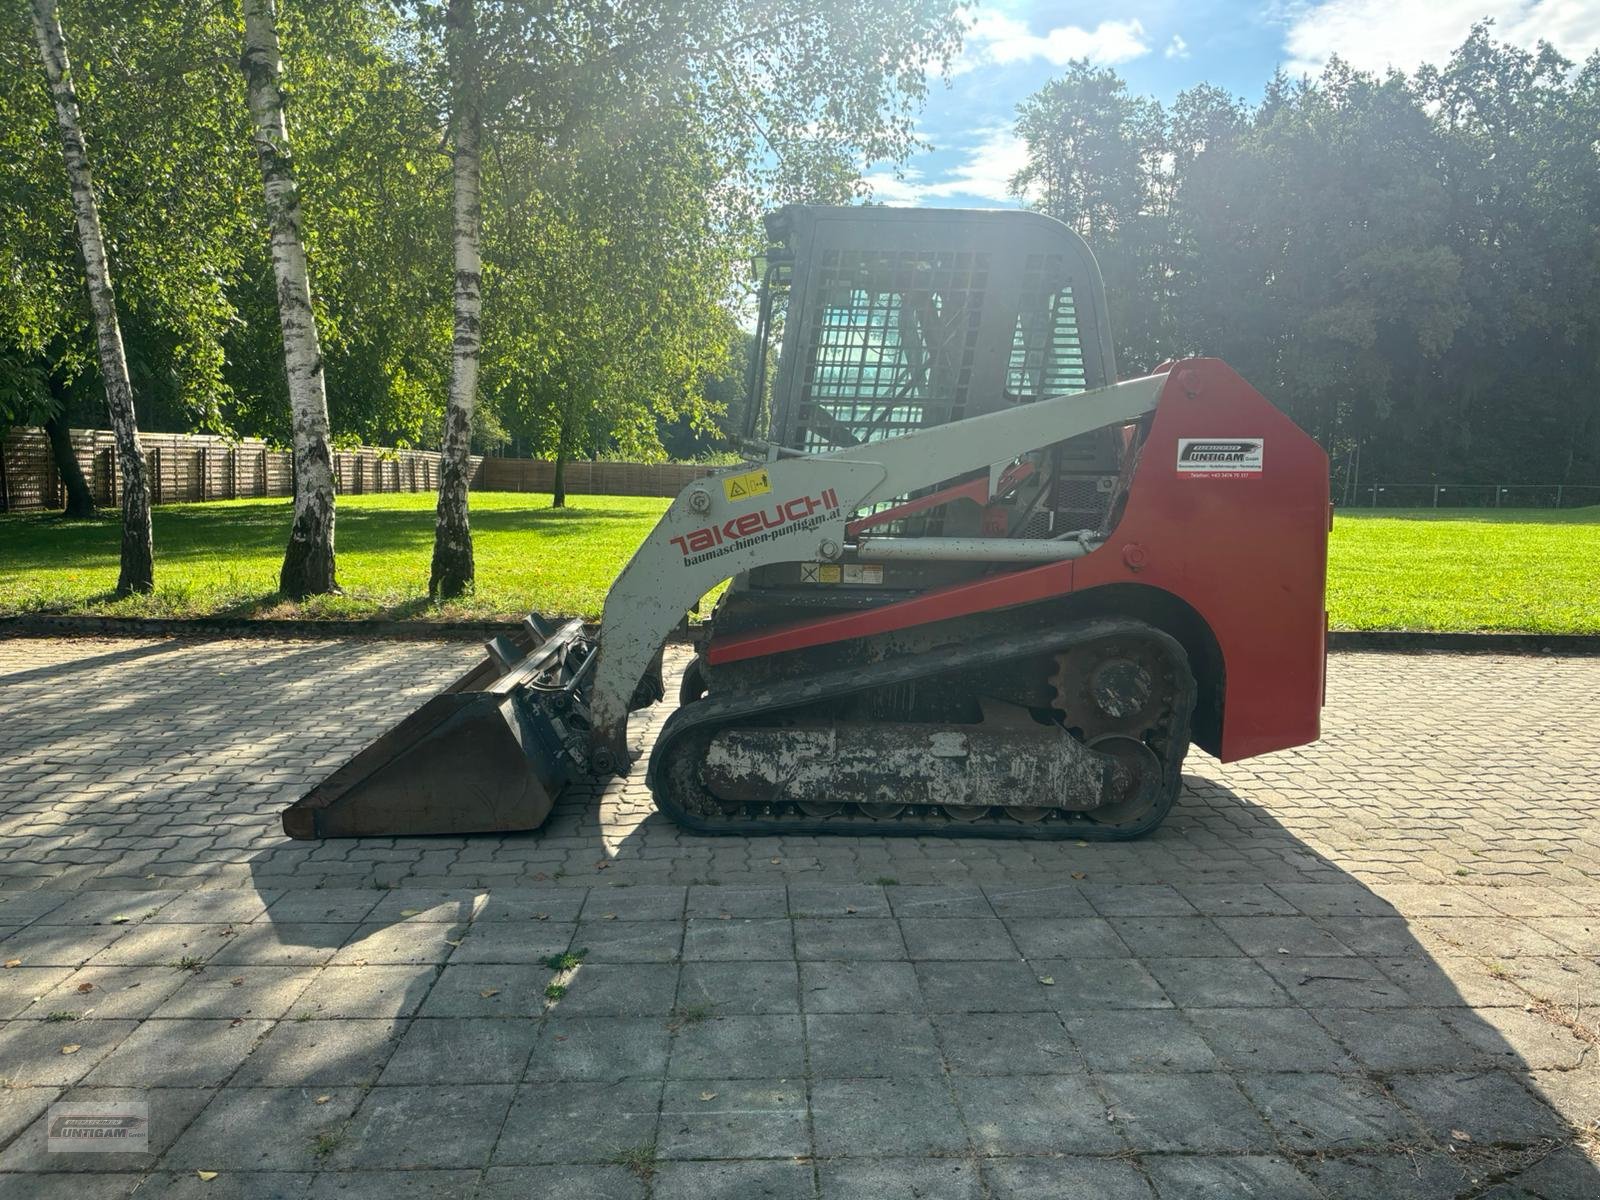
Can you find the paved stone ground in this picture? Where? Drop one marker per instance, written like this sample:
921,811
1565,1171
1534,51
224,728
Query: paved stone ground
1362,969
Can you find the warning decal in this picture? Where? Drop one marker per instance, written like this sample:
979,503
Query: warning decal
1221,458
743,487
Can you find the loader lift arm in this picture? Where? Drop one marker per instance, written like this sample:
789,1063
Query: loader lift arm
796,510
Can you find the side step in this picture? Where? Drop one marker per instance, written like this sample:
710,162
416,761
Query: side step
486,756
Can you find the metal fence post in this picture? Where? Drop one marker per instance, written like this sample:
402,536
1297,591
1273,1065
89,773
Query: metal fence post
1558,495
1436,495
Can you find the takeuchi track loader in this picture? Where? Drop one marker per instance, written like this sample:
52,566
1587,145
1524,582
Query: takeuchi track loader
981,586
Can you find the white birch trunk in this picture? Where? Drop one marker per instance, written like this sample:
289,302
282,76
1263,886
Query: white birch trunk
452,572
137,573
308,562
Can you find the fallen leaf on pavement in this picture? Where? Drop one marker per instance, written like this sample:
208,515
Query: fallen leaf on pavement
71,1048
1079,875
487,992
323,1099
85,987
410,912
1048,980
206,1176
13,962
708,1095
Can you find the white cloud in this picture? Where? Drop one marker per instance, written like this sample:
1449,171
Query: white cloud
1176,48
1376,34
996,39
984,173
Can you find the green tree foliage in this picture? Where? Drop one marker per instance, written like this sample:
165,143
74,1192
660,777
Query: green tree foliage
1409,266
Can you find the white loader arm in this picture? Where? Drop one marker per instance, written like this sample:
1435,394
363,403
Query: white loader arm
795,510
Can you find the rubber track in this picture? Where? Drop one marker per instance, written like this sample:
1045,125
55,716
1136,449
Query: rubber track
695,723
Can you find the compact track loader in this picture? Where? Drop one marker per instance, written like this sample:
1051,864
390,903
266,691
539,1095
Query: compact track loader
980,585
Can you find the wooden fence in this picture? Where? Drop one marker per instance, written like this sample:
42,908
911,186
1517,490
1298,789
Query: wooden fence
588,478
199,467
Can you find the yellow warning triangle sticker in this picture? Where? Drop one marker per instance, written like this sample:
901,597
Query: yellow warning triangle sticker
735,489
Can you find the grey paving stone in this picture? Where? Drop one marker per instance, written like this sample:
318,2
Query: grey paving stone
1136,900
408,1127
342,906
1063,1178
1263,937
572,1183
412,941
1498,937
863,1045
938,900
1000,987
1148,1040
838,900
1217,983
1038,900
729,901
629,941
21,986
1335,983
1566,1174
462,1051
899,1179
1173,937
20,1106
1489,1106
1066,937
1091,983
45,945
907,1115
761,1178
1006,1044
1415,1175
102,906
526,906
600,1049
395,1185
576,1121
848,938
1348,899
31,1051
225,906
1041,1114
165,945
321,1054
859,987
957,939
1519,1039
1372,936
1317,1111
636,903
1201,1177
236,1185
170,1110
1269,1039
254,991
178,1053
371,992
1400,1039
728,987
738,1047
447,906
490,990
1235,899
1450,980
513,942
273,943
71,1187
262,1129
620,990
738,939
1186,1113
24,907
745,1119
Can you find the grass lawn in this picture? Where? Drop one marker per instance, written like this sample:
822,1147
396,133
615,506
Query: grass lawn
1507,569
1466,569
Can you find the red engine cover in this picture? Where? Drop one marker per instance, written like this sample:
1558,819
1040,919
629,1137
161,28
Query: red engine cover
1228,510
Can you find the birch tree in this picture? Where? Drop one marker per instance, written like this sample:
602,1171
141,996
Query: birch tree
137,573
308,562
452,573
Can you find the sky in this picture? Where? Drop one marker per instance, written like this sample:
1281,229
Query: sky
1162,47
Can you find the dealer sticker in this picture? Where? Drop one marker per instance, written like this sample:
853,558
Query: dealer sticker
1221,458
743,487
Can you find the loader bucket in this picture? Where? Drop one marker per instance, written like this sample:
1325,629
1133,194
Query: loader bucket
485,756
